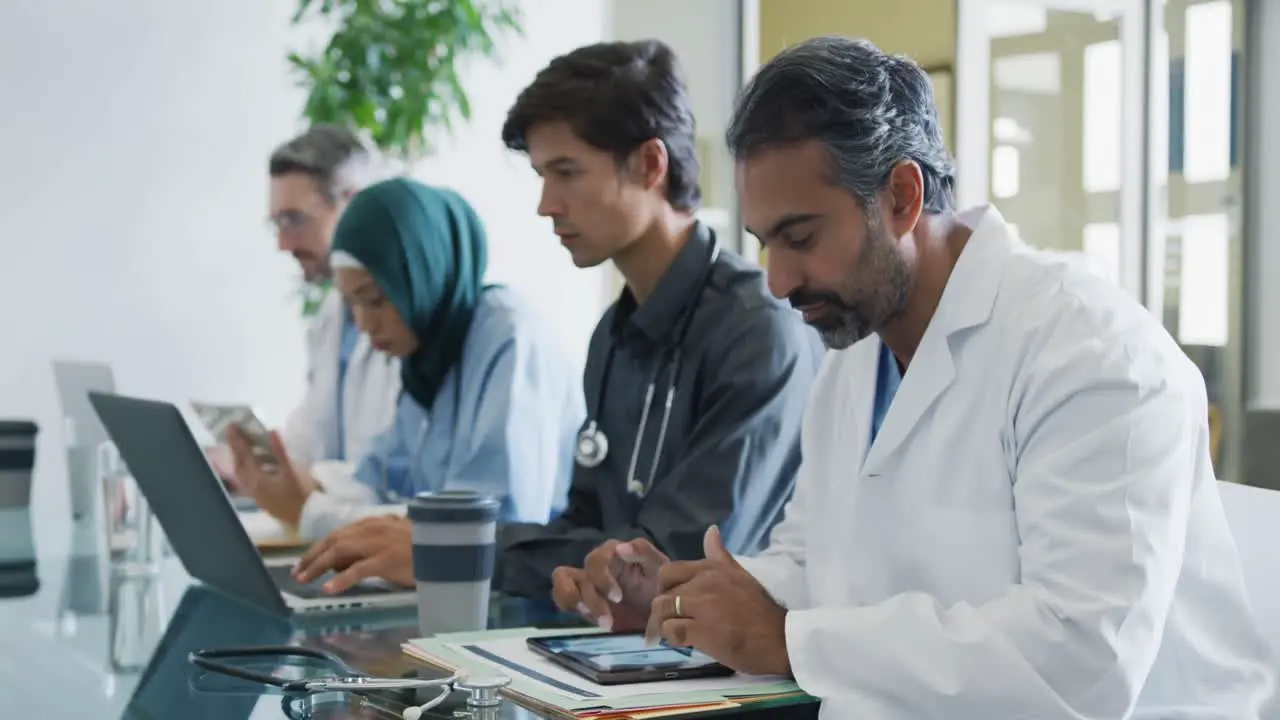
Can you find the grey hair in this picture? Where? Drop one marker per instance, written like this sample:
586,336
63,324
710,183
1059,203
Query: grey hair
870,110
332,156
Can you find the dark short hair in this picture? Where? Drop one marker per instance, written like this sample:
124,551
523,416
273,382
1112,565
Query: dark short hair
616,96
324,153
870,110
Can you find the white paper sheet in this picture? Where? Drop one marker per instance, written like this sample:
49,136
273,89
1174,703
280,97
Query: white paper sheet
535,668
261,526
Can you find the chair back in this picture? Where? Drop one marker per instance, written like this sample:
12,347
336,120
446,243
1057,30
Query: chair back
1253,514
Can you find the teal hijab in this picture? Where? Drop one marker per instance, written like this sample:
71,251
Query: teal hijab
426,249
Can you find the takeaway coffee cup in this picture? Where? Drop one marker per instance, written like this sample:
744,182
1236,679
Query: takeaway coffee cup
453,548
17,545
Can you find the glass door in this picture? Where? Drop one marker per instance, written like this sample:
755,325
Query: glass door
1051,125
1196,257
1111,128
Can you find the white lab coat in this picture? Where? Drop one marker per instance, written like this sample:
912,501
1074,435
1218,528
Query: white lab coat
370,392
1036,531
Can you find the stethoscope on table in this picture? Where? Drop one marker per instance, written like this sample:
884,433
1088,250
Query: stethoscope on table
483,690
593,444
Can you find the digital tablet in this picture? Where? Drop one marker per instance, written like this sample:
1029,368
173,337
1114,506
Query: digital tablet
217,418
622,658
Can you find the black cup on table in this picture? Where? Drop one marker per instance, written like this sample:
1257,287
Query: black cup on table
17,541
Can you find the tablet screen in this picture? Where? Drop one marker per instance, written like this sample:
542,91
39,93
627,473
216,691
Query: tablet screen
618,653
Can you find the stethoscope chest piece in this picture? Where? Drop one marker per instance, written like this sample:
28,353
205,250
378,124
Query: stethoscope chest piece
484,689
593,446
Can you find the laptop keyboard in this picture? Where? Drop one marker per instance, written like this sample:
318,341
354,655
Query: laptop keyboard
283,577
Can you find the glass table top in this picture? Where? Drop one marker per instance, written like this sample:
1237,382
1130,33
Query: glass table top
81,643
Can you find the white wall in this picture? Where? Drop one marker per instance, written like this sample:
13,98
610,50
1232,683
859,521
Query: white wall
133,201
133,206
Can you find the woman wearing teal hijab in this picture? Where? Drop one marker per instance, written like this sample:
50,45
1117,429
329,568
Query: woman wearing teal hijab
490,402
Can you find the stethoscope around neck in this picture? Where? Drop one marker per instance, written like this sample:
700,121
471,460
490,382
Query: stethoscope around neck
593,444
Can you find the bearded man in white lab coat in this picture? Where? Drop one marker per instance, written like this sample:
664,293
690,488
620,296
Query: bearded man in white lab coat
352,387
1006,507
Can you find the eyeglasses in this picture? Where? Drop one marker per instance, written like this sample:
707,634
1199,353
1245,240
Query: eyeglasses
290,221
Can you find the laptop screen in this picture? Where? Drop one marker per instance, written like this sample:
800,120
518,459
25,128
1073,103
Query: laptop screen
187,498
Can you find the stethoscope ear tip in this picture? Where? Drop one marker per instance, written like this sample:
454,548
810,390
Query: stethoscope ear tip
635,487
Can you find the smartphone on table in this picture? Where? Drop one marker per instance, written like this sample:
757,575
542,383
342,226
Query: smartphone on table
623,658
218,418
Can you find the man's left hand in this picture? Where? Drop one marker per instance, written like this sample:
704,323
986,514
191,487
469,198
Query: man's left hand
280,491
724,612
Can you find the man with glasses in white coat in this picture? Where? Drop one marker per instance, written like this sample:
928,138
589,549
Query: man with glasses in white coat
351,387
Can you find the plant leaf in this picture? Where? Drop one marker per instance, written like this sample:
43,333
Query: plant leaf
392,67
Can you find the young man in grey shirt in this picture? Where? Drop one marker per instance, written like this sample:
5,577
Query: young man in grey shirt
610,130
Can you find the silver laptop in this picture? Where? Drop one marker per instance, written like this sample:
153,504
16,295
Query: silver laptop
75,380
202,526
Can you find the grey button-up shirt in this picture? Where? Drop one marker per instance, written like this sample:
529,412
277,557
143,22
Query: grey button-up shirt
732,445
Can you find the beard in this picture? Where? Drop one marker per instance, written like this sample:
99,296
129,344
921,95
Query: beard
875,293
315,268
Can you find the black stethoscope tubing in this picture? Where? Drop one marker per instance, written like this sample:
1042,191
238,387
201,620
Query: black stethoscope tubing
672,356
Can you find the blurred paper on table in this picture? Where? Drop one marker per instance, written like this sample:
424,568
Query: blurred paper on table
267,532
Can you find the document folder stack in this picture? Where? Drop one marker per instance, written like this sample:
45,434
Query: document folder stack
544,687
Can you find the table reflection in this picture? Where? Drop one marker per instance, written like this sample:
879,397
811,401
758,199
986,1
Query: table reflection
99,634
205,618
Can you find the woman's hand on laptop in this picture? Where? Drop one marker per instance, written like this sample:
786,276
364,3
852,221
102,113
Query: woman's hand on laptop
375,547
279,490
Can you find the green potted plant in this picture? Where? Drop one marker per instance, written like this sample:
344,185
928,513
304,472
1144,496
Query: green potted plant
392,67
